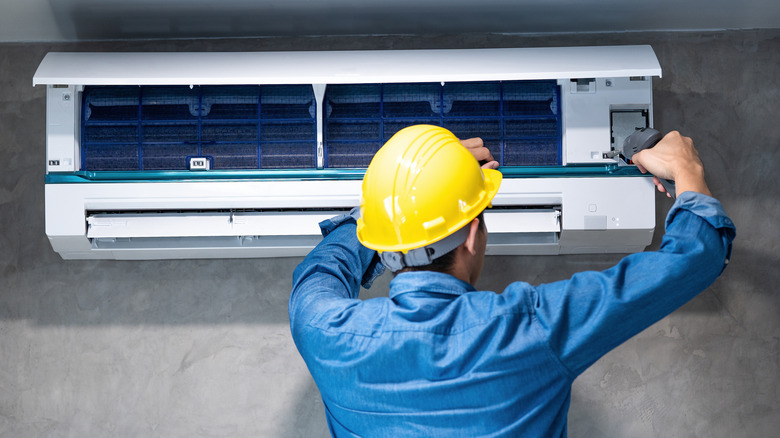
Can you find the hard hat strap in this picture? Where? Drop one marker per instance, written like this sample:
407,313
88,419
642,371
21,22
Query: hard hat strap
396,260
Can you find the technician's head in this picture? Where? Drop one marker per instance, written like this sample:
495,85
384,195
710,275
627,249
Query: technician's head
421,195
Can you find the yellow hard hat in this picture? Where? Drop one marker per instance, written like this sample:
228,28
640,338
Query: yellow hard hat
421,187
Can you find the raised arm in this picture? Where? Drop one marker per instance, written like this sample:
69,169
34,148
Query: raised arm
334,270
593,312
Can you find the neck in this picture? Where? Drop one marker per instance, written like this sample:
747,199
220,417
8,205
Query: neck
464,269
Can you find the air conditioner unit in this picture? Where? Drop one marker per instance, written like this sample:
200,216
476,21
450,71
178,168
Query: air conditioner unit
201,155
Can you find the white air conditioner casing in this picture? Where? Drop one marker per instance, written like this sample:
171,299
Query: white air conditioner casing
588,201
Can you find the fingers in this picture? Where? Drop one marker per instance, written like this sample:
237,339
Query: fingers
660,187
477,148
471,143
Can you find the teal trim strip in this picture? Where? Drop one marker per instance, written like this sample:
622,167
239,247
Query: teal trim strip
569,171
212,175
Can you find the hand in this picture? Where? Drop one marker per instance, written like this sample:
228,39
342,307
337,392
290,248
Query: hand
674,158
480,152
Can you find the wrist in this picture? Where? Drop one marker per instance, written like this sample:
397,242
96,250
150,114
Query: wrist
691,178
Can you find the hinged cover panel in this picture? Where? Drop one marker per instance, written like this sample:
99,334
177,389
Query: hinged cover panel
345,67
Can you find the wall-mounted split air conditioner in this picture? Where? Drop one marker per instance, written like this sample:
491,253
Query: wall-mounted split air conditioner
189,155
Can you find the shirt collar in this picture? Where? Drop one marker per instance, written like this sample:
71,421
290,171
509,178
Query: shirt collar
428,282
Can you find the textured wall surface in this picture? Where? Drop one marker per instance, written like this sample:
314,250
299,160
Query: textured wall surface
201,348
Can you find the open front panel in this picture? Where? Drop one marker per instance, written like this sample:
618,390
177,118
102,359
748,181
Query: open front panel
274,126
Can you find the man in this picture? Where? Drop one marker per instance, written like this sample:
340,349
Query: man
437,357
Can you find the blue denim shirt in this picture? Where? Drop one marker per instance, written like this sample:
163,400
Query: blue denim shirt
438,358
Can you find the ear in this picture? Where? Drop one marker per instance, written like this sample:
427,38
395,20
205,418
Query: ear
471,242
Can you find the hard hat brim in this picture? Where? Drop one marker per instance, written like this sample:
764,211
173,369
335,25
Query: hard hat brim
493,180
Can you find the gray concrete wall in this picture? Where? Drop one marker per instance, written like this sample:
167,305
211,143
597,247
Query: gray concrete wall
201,348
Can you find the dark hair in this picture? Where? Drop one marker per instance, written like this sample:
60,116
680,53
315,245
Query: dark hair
444,263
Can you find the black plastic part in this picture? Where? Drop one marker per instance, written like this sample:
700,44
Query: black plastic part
642,139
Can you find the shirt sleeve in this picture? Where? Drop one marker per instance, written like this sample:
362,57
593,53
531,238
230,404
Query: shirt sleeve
593,312
334,270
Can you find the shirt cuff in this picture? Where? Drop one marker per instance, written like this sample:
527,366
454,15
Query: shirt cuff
710,210
706,207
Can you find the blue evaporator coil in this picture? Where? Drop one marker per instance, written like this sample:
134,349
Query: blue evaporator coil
274,126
